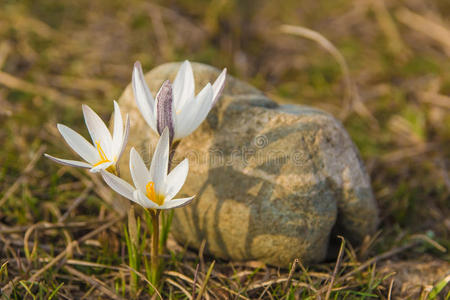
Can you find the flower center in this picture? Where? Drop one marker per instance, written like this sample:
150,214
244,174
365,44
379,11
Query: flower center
102,154
152,195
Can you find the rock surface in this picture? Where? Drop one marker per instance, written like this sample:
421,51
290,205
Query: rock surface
272,181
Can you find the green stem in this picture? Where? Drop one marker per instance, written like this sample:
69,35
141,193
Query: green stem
155,246
132,243
155,213
172,150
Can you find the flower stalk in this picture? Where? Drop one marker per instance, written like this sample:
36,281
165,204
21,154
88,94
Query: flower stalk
154,258
158,245
132,237
173,147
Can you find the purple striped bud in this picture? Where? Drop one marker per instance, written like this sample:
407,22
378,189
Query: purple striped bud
164,117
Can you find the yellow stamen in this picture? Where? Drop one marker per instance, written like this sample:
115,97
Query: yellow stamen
102,154
152,195
112,169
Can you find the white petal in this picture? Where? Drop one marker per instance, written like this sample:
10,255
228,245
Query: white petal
160,160
143,96
98,130
139,198
102,166
142,200
205,99
176,179
176,203
119,185
125,138
68,162
183,85
138,170
79,144
194,113
118,129
182,118
218,85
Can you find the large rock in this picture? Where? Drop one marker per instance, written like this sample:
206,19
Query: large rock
272,181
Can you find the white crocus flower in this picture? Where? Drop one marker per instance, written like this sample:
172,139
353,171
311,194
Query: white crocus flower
176,105
107,149
153,188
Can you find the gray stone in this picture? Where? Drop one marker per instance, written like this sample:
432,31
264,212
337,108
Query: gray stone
272,181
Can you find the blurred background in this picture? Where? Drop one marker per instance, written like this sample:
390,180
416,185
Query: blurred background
56,55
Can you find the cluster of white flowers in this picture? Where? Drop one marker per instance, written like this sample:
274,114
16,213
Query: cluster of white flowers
174,114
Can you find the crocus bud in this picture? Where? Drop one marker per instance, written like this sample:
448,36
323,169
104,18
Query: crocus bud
164,117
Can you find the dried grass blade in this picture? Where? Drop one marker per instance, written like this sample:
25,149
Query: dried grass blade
205,281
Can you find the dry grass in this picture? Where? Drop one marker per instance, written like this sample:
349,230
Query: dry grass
60,236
